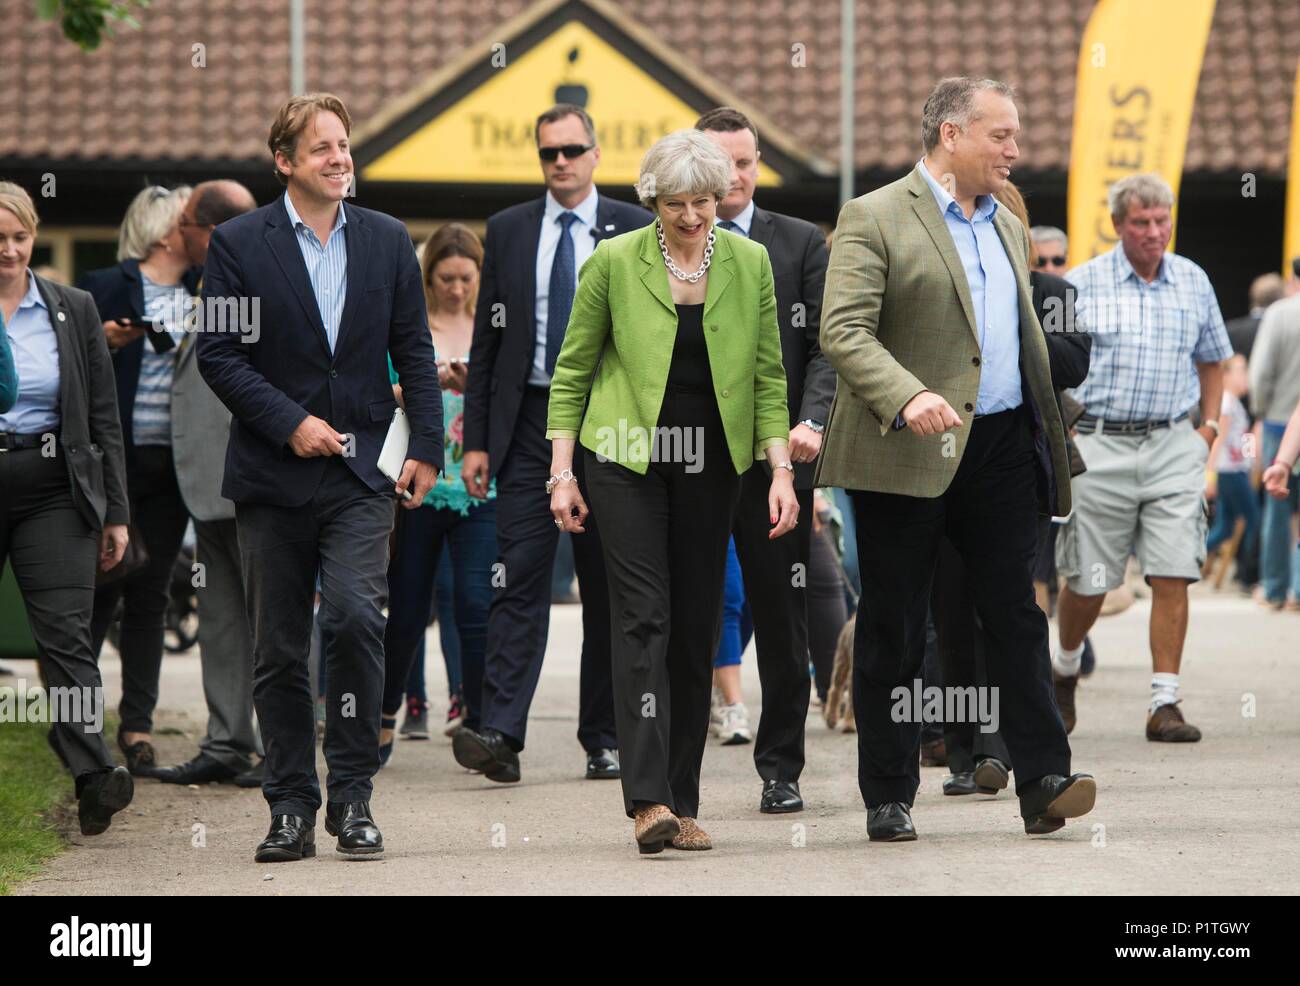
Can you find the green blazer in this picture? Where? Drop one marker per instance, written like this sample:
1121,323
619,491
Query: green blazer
619,344
897,319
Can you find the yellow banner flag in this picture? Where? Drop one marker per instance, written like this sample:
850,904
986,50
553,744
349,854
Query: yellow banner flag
1291,237
1138,68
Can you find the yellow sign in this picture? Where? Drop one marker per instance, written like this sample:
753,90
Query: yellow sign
488,135
1138,69
1291,235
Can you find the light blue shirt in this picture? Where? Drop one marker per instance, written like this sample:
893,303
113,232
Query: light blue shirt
584,245
36,358
745,220
151,414
993,294
327,267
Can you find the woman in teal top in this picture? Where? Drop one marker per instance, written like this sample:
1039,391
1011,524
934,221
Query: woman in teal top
8,375
670,379
450,265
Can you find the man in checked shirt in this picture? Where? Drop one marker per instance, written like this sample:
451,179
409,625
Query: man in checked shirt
1158,343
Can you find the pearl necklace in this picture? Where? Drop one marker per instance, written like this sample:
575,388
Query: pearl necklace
676,271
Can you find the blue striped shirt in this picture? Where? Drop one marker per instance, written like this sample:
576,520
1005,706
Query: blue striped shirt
327,267
151,416
1146,338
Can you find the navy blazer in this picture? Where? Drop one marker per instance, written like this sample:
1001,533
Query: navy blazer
273,366
505,319
119,294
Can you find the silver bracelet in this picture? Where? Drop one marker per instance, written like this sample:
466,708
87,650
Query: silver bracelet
556,480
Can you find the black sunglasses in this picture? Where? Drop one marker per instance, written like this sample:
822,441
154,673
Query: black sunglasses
1051,261
570,151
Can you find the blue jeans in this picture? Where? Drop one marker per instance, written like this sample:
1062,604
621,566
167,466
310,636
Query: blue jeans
1279,556
448,635
737,624
1236,499
412,575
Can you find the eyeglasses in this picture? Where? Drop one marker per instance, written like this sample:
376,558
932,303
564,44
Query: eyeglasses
1051,261
570,151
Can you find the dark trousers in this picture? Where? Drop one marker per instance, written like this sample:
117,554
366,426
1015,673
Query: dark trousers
666,554
342,532
961,658
989,513
412,575
159,517
521,610
54,554
827,612
776,577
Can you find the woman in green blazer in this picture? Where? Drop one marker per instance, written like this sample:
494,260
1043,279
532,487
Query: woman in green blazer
670,377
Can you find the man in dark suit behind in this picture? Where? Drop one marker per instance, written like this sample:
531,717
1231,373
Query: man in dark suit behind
775,570
532,254
320,295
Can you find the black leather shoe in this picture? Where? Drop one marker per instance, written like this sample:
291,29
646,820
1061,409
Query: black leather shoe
141,760
1050,800
252,777
960,783
890,822
355,827
991,775
290,838
603,765
780,797
201,770
103,794
487,752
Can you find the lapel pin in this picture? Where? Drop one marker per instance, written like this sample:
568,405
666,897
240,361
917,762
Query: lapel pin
62,317
609,227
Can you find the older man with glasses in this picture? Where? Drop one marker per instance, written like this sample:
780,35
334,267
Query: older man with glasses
1049,250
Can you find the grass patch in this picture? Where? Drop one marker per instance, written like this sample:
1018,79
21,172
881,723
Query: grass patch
35,802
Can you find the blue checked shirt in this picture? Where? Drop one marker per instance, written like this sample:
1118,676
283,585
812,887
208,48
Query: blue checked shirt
1146,338
327,267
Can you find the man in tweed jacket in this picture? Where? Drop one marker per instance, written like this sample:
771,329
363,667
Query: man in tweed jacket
944,422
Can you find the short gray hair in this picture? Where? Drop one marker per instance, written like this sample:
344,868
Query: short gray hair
684,162
1148,189
149,218
953,100
1049,234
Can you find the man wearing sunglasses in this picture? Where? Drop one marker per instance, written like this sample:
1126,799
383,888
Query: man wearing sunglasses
532,255
1050,250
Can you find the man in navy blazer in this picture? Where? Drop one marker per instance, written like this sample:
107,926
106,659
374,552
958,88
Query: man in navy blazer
531,258
303,302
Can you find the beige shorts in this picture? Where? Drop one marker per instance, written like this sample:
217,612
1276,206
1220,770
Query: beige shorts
1142,495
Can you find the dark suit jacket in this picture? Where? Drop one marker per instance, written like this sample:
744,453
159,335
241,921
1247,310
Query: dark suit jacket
286,371
90,437
119,293
501,356
798,253
1242,331
1068,353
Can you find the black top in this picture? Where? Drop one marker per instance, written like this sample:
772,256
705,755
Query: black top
690,366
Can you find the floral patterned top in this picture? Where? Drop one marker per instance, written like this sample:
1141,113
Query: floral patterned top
449,491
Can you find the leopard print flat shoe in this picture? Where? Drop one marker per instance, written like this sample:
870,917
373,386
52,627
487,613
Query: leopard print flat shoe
691,838
655,826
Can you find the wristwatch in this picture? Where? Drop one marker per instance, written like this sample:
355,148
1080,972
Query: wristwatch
785,465
816,426
1212,424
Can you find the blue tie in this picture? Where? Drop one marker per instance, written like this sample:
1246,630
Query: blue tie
728,225
559,297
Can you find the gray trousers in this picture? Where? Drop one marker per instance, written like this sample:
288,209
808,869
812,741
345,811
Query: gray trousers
225,647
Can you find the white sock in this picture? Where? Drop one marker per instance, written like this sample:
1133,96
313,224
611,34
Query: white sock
1066,662
1164,689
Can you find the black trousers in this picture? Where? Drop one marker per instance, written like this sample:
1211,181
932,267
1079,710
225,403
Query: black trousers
776,578
159,516
989,513
961,658
342,533
54,553
665,543
520,618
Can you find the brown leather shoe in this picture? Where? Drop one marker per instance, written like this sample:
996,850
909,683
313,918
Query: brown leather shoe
1167,725
691,838
1064,688
934,754
655,825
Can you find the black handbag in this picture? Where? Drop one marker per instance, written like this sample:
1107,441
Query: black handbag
134,558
